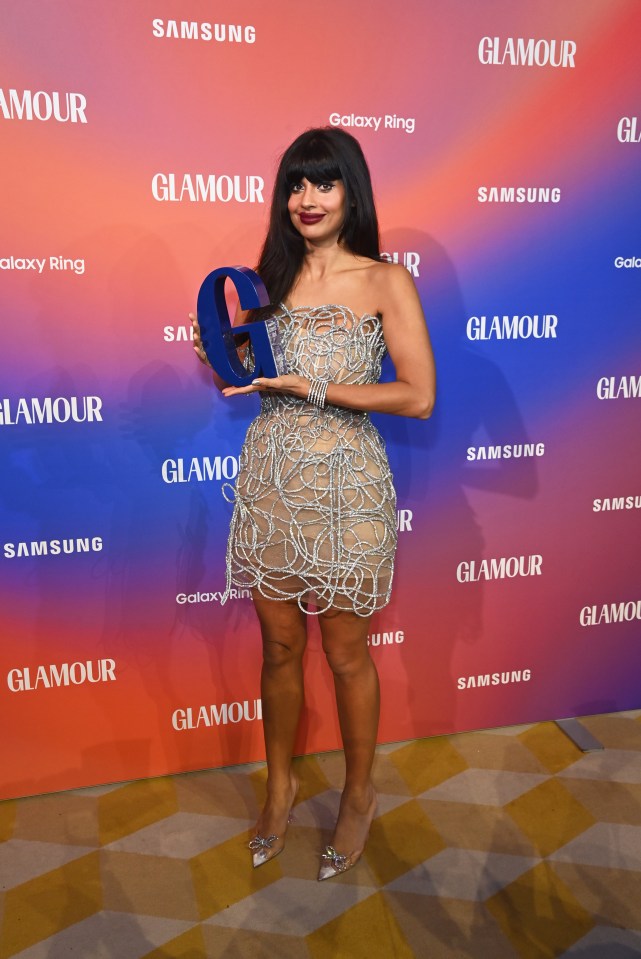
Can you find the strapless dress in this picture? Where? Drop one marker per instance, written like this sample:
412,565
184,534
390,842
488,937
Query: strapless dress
314,500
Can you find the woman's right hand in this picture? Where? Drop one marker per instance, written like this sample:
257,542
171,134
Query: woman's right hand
198,343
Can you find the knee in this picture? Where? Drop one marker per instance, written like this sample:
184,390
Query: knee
346,659
279,652
344,637
283,630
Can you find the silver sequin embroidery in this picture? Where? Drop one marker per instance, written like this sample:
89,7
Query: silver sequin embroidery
314,502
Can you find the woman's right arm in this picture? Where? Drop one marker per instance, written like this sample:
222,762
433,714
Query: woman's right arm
239,318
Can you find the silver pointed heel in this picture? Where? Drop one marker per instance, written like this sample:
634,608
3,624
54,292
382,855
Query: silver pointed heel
332,864
261,847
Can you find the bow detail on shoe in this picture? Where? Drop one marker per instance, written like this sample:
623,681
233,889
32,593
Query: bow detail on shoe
338,862
260,842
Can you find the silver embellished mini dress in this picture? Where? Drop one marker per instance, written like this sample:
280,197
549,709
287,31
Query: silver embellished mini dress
314,501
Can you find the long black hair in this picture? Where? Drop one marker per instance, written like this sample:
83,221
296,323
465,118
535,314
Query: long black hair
319,155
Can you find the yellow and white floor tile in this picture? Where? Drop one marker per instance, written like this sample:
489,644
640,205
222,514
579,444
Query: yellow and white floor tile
508,844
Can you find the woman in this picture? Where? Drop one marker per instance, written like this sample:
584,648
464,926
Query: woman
314,502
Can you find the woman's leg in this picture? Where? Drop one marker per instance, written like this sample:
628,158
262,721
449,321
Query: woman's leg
358,700
283,628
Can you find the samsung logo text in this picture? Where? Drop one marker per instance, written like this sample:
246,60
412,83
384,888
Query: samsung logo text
507,451
494,679
203,30
52,547
519,194
616,503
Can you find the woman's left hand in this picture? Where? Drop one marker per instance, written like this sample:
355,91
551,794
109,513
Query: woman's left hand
289,383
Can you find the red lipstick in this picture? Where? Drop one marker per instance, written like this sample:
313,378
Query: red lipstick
309,218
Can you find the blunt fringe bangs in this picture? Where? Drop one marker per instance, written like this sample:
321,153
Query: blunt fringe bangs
319,155
312,161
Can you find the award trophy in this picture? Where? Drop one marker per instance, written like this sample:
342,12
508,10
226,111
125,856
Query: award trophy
218,335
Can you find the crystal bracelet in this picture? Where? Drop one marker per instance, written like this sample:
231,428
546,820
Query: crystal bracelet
317,393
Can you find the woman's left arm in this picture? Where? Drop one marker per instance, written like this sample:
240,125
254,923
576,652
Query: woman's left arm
412,393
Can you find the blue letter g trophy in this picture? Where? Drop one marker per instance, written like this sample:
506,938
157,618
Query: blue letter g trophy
217,333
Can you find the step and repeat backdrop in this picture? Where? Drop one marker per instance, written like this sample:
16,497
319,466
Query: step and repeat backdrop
139,147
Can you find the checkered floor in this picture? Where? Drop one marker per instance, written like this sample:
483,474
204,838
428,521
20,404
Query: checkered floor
499,844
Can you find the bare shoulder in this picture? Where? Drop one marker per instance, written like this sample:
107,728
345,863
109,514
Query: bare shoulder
393,285
391,275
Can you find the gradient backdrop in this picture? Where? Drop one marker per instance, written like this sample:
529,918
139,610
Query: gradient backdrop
83,191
